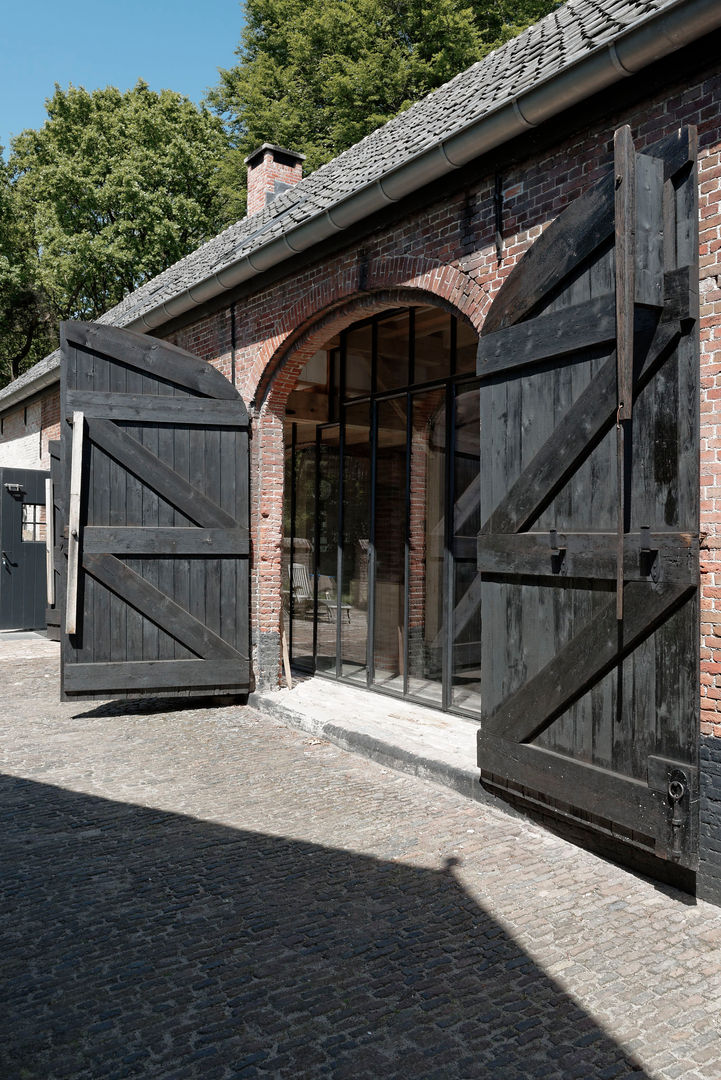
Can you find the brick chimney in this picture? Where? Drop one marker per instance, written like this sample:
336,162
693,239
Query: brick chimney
271,169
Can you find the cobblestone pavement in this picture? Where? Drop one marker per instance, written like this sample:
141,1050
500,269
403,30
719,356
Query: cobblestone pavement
205,893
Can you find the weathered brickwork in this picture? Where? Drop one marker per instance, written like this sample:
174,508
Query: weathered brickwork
446,254
50,423
20,438
268,172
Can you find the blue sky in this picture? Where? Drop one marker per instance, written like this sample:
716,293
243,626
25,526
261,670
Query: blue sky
178,44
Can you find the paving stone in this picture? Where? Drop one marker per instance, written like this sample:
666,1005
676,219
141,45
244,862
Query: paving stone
203,892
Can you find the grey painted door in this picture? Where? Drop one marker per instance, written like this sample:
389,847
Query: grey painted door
588,551
154,460
22,540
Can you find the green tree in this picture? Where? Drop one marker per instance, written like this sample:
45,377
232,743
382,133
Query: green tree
317,75
114,188
24,317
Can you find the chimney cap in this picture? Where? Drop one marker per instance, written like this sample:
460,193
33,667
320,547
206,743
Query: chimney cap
296,158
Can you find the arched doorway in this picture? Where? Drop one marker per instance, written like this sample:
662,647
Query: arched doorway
381,509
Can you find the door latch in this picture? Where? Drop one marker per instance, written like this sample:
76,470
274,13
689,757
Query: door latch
648,555
558,554
677,788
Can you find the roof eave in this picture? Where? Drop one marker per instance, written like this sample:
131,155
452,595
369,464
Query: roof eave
642,44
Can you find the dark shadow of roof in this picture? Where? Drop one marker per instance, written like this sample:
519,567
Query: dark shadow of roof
138,942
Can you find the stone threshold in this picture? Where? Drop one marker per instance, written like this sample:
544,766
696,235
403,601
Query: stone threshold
401,735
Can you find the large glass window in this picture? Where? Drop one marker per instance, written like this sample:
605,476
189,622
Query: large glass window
381,509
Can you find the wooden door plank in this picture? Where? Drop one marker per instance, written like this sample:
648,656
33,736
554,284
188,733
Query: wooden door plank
649,231
151,356
142,463
572,441
673,556
610,795
154,605
164,540
625,245
154,408
567,242
573,236
76,480
557,334
677,150
580,663
144,675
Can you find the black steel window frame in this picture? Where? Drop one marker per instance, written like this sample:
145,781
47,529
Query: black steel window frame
452,384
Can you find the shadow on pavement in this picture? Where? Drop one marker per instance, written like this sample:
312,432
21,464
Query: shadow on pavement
144,943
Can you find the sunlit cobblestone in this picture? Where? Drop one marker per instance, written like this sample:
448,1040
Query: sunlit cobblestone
202,892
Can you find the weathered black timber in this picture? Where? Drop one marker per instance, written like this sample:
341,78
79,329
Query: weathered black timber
548,336
137,407
162,590
659,556
148,467
578,665
148,540
589,510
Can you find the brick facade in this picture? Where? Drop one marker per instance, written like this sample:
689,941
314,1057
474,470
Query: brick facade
446,254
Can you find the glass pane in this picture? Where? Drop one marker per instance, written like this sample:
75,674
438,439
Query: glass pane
466,347
356,537
389,542
432,357
300,578
466,675
310,401
359,361
392,365
328,488
426,540
33,523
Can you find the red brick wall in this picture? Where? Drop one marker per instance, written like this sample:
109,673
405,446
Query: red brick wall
446,253
50,422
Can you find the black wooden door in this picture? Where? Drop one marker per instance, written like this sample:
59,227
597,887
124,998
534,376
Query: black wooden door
590,443
23,557
154,466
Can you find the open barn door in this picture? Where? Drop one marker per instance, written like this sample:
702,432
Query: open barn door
154,464
588,551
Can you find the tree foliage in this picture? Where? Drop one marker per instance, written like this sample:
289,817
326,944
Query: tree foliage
25,334
114,188
317,76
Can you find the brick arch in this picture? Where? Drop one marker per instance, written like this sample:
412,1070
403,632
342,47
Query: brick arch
418,283
280,375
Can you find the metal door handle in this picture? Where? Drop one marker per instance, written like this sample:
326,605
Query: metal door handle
76,475
7,563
